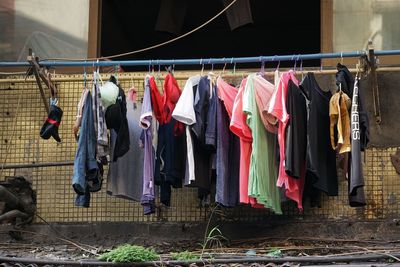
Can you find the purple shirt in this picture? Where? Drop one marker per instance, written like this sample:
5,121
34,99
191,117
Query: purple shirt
146,119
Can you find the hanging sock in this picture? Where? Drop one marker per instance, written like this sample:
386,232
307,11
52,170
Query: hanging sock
50,126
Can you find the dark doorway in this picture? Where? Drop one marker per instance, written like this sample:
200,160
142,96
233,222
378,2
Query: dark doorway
279,28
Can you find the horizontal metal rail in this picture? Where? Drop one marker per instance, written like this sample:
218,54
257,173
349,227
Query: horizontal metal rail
200,61
37,165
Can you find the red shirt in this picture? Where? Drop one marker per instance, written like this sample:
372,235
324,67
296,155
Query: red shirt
240,128
277,107
164,104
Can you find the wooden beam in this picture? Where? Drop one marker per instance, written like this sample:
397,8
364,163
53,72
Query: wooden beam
94,32
327,30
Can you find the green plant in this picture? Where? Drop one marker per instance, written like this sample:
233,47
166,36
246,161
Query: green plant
184,255
129,253
214,237
275,253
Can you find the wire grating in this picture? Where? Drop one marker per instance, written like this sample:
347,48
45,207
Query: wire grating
55,196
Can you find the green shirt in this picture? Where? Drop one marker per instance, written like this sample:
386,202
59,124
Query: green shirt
263,169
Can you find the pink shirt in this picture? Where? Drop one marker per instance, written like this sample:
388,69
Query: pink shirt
277,107
263,93
240,128
227,93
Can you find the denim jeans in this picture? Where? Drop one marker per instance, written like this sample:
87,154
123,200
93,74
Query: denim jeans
85,159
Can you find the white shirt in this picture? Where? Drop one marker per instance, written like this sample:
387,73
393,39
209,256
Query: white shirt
184,112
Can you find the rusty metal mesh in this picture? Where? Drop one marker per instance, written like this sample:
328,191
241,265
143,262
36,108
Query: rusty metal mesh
21,117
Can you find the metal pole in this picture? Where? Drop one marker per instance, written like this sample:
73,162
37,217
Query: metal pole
199,61
38,165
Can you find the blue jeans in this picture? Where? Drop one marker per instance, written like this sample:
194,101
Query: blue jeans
85,159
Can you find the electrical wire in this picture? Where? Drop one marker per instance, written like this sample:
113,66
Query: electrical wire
153,46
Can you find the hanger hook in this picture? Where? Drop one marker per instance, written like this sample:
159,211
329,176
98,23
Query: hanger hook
301,65
262,65
212,65
84,74
341,57
223,69
279,62
202,66
98,67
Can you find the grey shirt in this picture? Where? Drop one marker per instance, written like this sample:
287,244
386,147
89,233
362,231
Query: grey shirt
125,175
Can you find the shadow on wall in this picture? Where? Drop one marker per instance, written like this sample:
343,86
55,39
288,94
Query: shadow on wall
21,33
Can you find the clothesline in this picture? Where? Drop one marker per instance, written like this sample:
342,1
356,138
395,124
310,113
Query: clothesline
203,61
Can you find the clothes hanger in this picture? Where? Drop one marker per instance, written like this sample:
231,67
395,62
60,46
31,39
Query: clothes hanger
98,72
301,69
159,72
149,68
84,75
202,67
341,58
117,67
277,66
223,69
211,73
262,68
295,63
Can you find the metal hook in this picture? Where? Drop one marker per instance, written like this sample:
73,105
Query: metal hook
98,67
223,69
262,69
279,62
202,66
117,68
341,57
84,75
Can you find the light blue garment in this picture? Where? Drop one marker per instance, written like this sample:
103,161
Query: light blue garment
85,158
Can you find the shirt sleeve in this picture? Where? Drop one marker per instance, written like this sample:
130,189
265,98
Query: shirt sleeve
211,129
184,110
146,113
248,100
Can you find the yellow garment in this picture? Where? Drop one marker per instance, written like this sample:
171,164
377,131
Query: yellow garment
339,115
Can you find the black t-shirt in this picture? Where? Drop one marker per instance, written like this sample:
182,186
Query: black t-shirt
296,131
356,179
321,158
201,132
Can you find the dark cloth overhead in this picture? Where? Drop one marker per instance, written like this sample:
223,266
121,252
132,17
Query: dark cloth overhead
172,13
